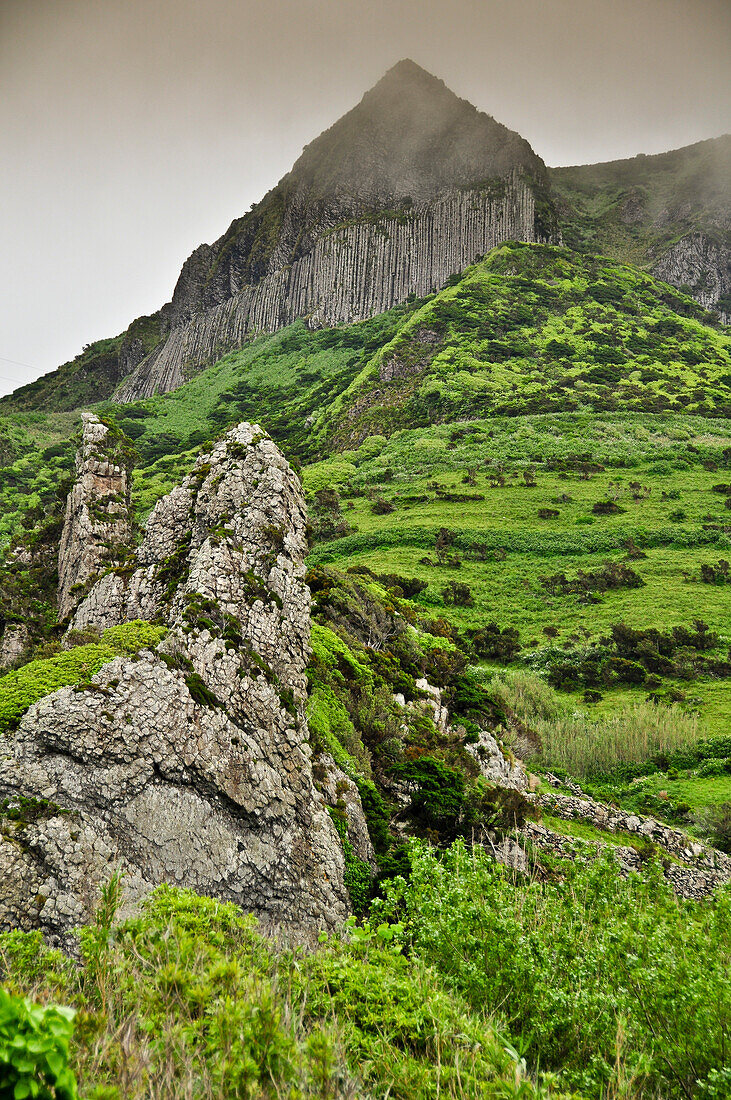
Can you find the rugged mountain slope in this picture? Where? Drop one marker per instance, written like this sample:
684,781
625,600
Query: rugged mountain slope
400,193
536,328
670,214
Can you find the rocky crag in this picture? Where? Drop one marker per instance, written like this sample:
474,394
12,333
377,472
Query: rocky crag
703,265
97,524
353,272
189,764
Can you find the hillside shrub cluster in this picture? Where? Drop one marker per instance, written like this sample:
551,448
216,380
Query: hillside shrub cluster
187,999
631,656
618,986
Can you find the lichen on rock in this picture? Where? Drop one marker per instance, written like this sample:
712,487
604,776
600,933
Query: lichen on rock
189,764
97,523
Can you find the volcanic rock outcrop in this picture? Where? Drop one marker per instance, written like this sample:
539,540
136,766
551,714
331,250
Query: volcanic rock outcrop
190,764
704,266
97,522
352,272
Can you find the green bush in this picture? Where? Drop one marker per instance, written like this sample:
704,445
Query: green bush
607,981
205,1006
34,1050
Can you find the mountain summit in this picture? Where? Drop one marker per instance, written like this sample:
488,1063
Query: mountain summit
402,192
410,137
409,140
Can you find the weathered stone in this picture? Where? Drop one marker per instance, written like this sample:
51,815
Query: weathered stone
496,764
15,641
189,765
340,792
97,520
703,266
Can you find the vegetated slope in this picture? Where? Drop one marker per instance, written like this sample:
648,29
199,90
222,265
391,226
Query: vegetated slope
434,996
535,328
636,210
529,330
544,368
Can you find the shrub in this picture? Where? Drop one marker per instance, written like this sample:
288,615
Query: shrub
622,987
716,823
457,595
493,643
133,636
34,1050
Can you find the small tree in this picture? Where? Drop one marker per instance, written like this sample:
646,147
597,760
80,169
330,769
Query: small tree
458,595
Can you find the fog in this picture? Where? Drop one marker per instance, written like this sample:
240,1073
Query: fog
133,130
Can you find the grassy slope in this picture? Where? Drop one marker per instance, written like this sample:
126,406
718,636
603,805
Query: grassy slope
634,360
535,329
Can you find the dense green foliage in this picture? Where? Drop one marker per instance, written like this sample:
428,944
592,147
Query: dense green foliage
618,986
188,1000
34,1050
533,329
612,987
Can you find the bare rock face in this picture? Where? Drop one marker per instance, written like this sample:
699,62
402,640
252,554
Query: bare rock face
341,793
702,265
351,272
14,642
189,765
496,765
97,521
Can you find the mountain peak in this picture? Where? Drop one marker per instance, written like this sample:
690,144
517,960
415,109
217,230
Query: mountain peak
408,71
410,137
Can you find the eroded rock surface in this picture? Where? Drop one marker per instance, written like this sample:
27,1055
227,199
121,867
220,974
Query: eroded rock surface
701,265
97,520
189,765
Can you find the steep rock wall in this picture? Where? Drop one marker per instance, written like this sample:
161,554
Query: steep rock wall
351,273
704,266
97,520
190,764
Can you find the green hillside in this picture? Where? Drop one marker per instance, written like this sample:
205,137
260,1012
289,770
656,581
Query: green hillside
634,209
545,444
520,489
534,329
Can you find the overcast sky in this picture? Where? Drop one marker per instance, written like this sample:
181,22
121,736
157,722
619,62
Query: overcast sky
134,130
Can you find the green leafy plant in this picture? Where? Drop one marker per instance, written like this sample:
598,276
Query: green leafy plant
34,1050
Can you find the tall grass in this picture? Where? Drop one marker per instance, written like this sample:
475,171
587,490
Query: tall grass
586,746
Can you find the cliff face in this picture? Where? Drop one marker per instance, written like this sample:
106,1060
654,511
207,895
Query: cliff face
352,272
190,764
402,192
97,523
704,266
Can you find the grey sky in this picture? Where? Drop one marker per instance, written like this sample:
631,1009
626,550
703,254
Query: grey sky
133,130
